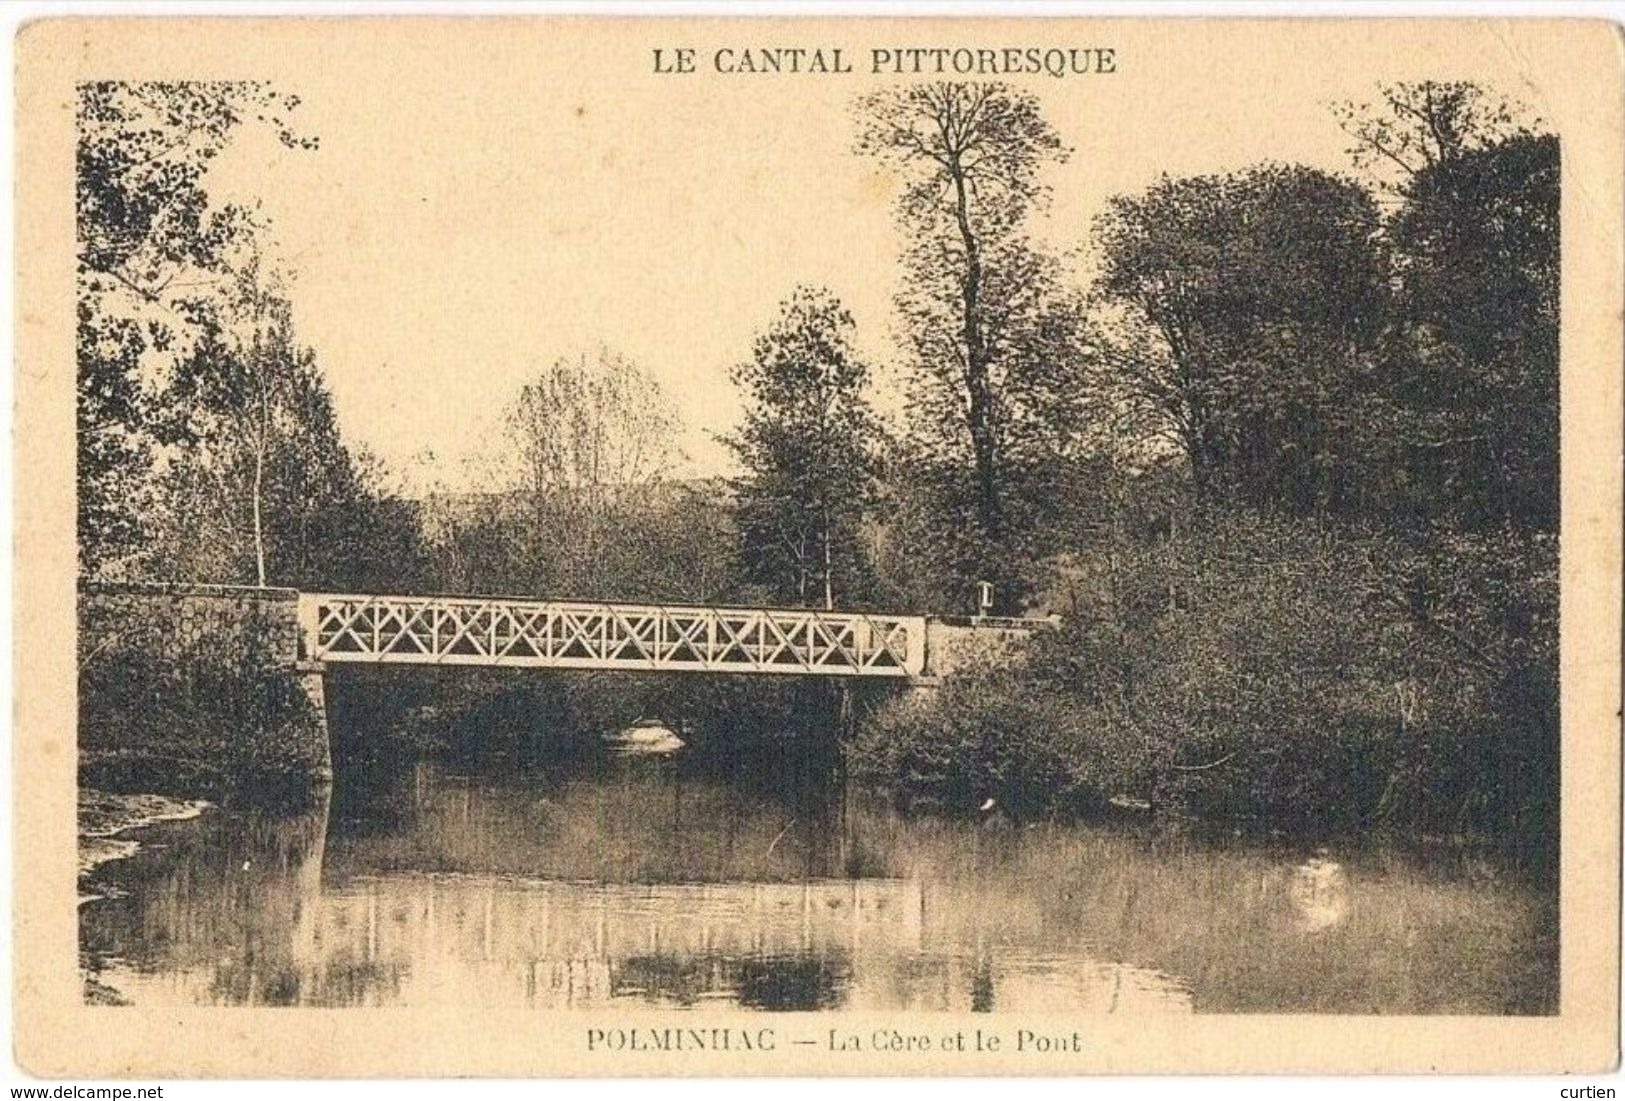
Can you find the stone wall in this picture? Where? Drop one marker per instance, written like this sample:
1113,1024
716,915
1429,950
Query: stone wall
196,688
226,623
951,644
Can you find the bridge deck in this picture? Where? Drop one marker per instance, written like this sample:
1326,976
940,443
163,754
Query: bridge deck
429,630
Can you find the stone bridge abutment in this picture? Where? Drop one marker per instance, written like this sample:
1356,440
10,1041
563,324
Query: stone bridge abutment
156,661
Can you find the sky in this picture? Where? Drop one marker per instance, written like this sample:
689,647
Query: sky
486,201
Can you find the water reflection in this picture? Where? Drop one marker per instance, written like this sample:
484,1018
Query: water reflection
652,881
1319,893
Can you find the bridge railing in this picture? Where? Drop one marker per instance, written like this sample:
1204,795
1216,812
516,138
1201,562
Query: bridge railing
339,627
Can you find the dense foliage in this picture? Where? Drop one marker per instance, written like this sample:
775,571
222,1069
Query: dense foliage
1309,579
1261,293
1264,673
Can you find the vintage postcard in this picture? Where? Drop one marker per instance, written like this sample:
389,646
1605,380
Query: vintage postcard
822,546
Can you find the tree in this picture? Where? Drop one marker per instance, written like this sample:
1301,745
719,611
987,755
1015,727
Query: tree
993,337
1478,237
807,446
234,389
151,245
592,442
1419,125
1475,240
1252,314
1474,374
260,486
1476,271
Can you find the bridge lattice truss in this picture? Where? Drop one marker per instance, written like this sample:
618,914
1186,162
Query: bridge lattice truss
628,637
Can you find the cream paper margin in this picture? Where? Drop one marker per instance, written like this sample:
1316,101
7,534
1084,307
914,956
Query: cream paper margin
1572,69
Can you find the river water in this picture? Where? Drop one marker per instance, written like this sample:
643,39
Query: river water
676,882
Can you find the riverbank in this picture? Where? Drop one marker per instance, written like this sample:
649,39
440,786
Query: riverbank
113,827
1260,677
105,819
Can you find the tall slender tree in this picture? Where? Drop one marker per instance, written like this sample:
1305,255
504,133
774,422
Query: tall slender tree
992,333
808,448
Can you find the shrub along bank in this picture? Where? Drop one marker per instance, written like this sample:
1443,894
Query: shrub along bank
1263,675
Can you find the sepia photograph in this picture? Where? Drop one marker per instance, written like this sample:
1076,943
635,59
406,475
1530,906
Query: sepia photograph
695,531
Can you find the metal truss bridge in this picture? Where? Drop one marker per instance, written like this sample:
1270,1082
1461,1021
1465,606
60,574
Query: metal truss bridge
537,634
